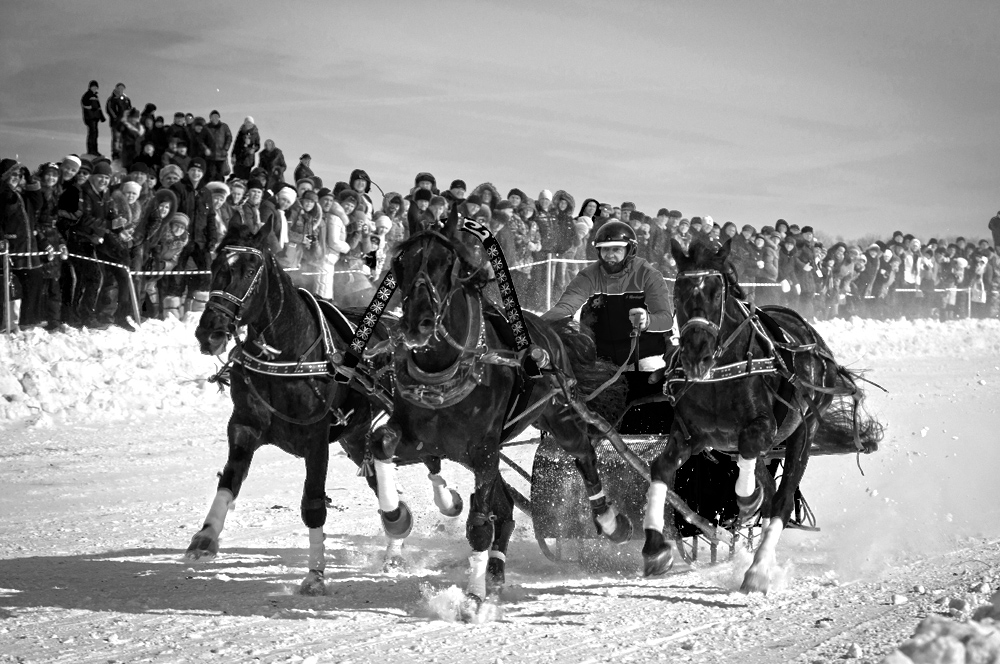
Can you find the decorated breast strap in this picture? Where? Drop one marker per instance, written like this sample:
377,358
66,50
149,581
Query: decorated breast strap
512,308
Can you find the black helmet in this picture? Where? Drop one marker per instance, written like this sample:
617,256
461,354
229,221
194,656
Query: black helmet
616,234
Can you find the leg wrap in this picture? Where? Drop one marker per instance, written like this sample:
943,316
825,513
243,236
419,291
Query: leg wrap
216,518
656,498
198,301
388,496
746,482
448,501
172,306
477,574
317,550
501,538
479,532
314,512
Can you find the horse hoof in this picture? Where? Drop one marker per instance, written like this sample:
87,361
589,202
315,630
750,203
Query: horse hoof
657,564
456,504
313,585
469,609
750,505
496,578
394,564
623,530
400,527
754,581
203,547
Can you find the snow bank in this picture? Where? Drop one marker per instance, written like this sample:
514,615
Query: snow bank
942,640
98,375
88,375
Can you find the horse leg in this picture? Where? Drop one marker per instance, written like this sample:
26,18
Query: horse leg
397,519
754,439
757,577
448,501
660,531
503,508
479,533
573,438
313,511
243,442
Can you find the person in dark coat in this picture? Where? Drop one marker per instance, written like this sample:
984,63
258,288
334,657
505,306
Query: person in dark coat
222,137
272,161
117,105
195,201
202,143
303,169
90,104
245,148
20,200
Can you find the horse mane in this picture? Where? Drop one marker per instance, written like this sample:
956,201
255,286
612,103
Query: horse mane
701,256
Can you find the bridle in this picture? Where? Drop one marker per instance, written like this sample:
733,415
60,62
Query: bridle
700,321
228,304
439,306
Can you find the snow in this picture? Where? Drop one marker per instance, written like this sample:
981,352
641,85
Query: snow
104,485
105,375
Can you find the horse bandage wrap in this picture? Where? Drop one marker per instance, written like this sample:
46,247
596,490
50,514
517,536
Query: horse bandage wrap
379,303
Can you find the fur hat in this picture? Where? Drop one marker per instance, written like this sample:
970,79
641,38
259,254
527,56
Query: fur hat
131,187
139,167
807,229
100,168
504,205
422,195
93,84
237,183
180,219
675,214
635,215
517,192
255,183
458,184
349,195
323,193
218,188
475,199
424,177
199,121
663,212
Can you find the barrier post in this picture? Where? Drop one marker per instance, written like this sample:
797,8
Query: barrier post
7,313
135,300
550,275
968,304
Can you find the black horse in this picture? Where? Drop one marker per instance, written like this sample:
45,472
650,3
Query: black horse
461,391
752,379
284,388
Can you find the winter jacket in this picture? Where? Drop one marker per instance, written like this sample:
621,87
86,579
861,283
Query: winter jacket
116,108
769,254
246,146
90,104
563,227
494,195
202,144
196,204
18,211
805,266
273,162
222,140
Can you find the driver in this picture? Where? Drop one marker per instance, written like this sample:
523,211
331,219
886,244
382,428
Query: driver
621,292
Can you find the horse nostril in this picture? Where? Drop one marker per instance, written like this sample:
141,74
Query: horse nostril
426,325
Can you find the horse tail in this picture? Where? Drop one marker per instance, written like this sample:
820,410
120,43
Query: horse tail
590,371
846,424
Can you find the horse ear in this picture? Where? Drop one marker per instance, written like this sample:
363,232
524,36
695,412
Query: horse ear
452,224
723,252
677,251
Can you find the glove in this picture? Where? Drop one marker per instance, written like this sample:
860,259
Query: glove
785,286
760,264
808,268
639,318
798,289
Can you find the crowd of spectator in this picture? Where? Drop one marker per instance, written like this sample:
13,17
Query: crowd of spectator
159,204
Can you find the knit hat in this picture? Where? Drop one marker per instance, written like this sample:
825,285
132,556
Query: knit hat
93,84
310,196
422,195
139,167
383,223
747,228
100,168
324,193
286,193
237,183
349,195
86,167
199,121
218,188
546,194
807,229
249,119
458,184
584,221
180,219
663,212
197,162
305,156
73,159
254,183
131,187
504,205
475,199
439,200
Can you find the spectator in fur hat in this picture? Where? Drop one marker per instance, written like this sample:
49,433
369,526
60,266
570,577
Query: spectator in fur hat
419,216
516,197
245,148
272,160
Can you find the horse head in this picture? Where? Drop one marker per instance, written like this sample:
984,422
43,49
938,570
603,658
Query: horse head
239,287
705,280
431,268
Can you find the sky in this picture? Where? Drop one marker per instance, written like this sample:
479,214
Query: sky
857,118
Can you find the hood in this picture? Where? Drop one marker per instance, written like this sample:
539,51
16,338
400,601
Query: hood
387,199
168,196
423,175
555,202
359,173
488,186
